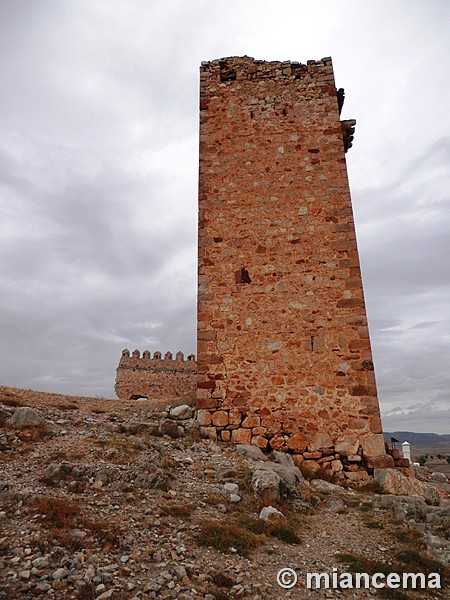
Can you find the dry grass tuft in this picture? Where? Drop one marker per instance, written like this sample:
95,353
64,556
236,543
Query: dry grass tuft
225,536
277,528
177,510
214,499
58,512
14,402
244,533
62,516
98,410
106,532
407,560
68,539
412,538
67,406
222,580
372,487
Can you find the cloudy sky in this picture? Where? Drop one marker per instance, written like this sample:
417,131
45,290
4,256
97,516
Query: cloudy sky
98,179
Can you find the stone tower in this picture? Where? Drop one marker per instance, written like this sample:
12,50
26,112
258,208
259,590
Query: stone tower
284,357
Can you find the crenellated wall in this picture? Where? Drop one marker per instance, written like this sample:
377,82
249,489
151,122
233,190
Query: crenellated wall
284,356
157,377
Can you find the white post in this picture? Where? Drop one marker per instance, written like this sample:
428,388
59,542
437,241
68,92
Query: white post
406,450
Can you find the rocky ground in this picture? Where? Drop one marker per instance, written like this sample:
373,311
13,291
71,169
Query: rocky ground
106,499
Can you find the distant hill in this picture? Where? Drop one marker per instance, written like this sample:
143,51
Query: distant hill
416,438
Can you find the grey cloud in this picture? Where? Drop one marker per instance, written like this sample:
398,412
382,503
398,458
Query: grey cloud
425,325
98,180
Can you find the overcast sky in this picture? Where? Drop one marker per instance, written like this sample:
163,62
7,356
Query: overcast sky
98,179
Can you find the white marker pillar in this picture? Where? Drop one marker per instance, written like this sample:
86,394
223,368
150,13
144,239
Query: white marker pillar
406,450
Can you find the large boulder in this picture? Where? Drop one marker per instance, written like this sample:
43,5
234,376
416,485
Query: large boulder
269,513
440,477
251,452
23,417
171,428
4,416
393,482
274,482
282,458
325,487
181,412
54,472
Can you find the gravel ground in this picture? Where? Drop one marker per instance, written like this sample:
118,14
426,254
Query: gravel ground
96,503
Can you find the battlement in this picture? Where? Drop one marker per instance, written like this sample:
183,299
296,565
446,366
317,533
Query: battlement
295,88
157,377
134,360
236,68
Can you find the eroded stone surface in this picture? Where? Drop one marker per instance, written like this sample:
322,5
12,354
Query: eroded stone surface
394,482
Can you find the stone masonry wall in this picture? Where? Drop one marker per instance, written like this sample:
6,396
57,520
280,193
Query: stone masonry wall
284,356
160,378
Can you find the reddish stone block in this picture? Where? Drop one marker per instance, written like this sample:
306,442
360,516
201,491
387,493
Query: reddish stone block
277,442
325,459
259,430
373,445
241,436
354,423
375,424
220,418
206,385
235,417
353,468
298,459
402,462
251,421
336,466
260,441
225,435
314,455
358,476
347,444
310,468
380,462
204,417
319,440
297,442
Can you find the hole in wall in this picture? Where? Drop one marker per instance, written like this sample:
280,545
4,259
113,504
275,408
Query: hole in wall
227,73
242,276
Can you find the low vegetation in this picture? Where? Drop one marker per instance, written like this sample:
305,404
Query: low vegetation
412,558
244,533
66,523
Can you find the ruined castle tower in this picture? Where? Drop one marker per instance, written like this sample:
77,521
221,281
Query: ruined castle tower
157,377
284,357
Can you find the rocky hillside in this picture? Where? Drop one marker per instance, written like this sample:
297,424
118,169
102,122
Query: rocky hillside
107,499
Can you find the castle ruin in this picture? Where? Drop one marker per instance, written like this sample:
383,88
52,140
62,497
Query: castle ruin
284,356
165,378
